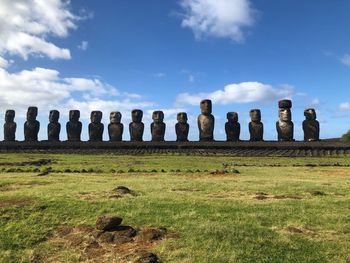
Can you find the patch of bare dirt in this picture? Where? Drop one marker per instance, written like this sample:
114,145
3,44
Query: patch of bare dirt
40,162
120,244
264,196
116,193
300,230
295,197
15,202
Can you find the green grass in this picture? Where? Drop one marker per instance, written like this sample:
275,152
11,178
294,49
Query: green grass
216,216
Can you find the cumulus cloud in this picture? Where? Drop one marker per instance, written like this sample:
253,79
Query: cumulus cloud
213,18
83,45
345,106
26,25
346,59
46,89
245,92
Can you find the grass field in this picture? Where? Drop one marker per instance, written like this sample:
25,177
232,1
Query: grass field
215,208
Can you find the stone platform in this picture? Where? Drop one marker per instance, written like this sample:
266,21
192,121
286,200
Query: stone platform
242,148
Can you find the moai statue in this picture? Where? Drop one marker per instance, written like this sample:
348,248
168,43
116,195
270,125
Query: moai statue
31,126
311,126
74,126
232,127
10,126
158,126
115,127
136,127
96,127
256,127
182,127
54,127
206,121
285,126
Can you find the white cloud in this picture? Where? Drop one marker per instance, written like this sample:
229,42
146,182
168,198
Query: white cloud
160,75
218,18
84,45
26,25
345,59
245,92
3,63
46,89
315,102
345,106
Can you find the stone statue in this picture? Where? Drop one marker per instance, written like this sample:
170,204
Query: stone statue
206,121
54,127
136,127
158,126
10,126
232,127
285,126
115,127
311,126
31,126
74,126
256,127
182,127
96,127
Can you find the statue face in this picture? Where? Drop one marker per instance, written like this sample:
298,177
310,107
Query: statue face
74,115
54,116
115,117
96,117
136,115
285,114
255,115
32,113
182,117
310,114
206,106
158,116
9,115
232,116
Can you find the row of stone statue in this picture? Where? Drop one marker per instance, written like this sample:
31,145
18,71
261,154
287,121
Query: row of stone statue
284,125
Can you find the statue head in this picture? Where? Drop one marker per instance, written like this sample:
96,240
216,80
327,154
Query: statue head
96,116
54,116
255,115
232,116
284,114
158,116
74,115
136,115
32,113
9,116
115,117
310,114
206,107
182,117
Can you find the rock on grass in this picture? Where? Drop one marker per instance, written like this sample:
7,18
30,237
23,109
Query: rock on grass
108,223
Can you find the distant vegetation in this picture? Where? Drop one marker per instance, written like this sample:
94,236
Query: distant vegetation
346,137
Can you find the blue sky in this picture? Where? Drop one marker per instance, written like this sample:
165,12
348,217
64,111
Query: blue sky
168,55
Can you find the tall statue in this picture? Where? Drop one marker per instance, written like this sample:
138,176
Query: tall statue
256,127
115,127
285,126
74,126
311,126
232,127
206,121
54,127
136,127
96,127
31,126
182,127
158,126
10,126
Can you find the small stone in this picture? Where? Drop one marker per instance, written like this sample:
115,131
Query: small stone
148,258
108,223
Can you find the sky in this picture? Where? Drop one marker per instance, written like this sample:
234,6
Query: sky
170,54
